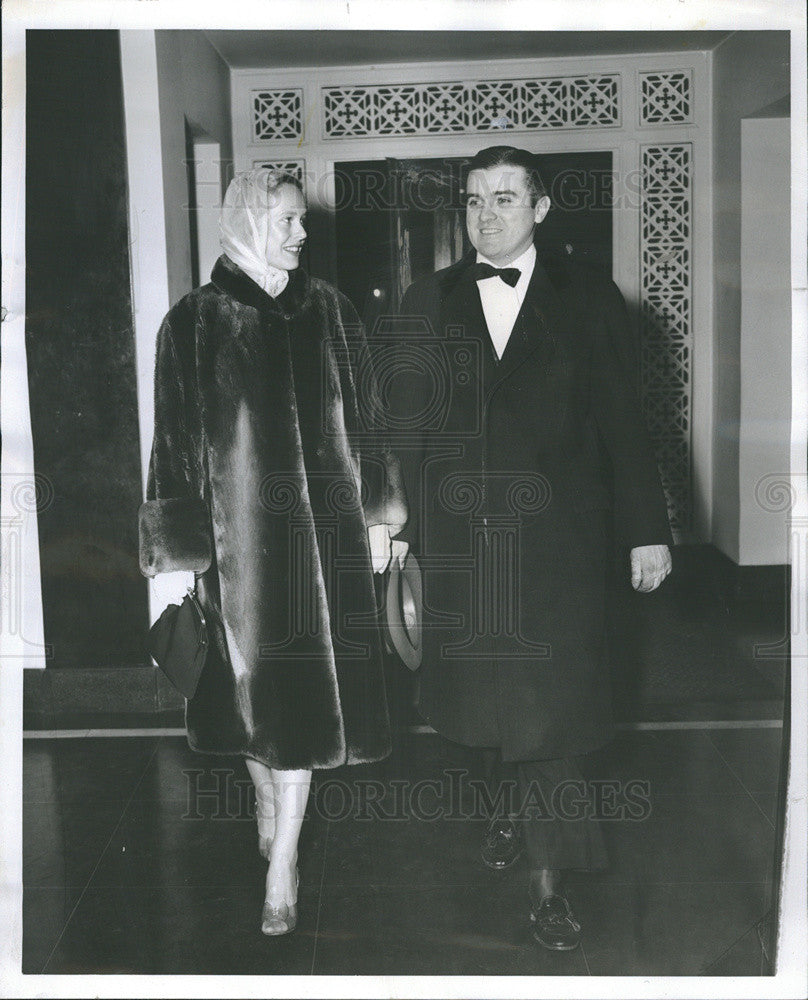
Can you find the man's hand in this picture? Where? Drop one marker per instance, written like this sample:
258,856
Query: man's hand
650,564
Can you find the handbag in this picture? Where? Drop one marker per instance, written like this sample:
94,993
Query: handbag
178,641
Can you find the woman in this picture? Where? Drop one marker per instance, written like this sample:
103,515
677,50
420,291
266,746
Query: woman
269,480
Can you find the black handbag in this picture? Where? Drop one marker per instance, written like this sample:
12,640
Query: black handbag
178,641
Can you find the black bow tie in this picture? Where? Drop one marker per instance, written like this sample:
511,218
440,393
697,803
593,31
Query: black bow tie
510,275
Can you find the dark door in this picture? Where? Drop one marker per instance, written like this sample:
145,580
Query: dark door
400,219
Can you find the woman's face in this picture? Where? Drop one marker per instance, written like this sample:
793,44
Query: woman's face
286,235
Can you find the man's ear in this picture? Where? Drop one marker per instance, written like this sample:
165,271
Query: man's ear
542,208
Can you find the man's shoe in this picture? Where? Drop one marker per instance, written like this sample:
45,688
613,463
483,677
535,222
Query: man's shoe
554,924
502,844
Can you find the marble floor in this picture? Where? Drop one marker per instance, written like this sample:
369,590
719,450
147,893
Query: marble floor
140,857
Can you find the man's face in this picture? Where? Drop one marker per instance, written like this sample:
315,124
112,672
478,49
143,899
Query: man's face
499,215
285,232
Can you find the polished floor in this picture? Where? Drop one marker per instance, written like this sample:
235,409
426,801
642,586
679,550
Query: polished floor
140,857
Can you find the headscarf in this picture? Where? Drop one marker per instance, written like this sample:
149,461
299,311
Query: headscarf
244,227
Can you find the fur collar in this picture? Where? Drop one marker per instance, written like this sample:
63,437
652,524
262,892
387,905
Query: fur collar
229,277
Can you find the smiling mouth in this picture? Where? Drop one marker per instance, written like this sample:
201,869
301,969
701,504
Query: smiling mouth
296,248
489,232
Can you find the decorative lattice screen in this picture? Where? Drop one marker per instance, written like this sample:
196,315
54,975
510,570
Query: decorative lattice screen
471,107
277,114
666,98
297,168
667,347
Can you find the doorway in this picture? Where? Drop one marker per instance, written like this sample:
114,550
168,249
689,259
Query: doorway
203,161
398,220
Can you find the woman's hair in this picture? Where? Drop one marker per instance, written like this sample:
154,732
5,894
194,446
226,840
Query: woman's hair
510,156
275,179
257,186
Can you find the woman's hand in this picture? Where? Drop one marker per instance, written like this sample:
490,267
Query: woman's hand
170,588
379,540
399,550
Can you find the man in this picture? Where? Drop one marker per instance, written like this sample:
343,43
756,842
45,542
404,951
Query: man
519,432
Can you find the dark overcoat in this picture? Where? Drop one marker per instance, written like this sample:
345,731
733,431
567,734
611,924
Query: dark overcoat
517,470
266,470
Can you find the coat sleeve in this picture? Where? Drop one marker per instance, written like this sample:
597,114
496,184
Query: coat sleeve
174,520
410,393
384,499
641,516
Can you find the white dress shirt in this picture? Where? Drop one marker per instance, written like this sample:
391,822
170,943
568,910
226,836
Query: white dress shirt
501,303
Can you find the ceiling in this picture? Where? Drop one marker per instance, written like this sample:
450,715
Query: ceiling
277,49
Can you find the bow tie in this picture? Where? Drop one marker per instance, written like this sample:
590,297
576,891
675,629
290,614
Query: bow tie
510,275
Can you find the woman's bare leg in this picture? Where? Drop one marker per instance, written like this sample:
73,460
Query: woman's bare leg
291,795
265,805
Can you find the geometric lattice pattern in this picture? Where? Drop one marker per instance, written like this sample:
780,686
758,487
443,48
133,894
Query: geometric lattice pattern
277,114
471,107
667,330
666,98
297,168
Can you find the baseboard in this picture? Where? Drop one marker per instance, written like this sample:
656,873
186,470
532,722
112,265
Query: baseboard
104,690
750,584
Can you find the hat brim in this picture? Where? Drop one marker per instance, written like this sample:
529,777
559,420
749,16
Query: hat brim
403,610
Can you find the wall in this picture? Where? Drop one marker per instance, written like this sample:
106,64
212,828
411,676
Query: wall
194,96
81,350
765,411
21,630
750,71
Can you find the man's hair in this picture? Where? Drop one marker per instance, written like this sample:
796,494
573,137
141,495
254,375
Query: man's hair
510,156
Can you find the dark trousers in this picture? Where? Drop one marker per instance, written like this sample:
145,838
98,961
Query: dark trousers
552,807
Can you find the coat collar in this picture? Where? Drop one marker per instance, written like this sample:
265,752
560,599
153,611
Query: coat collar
230,278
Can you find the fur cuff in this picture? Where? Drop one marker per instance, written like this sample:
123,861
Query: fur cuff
174,535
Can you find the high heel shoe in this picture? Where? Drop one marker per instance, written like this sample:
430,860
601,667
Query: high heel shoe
264,843
277,920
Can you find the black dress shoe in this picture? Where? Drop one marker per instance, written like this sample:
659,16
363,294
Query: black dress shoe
554,924
502,844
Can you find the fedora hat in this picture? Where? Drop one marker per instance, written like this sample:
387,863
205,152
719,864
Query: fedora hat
403,610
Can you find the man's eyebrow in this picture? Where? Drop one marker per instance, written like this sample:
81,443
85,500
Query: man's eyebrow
474,194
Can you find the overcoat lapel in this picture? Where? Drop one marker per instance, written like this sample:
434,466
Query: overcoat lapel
542,314
461,307
534,330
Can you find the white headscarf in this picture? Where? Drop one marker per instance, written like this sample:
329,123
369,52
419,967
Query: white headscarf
244,227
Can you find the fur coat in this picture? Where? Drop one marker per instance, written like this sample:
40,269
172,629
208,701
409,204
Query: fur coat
267,467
